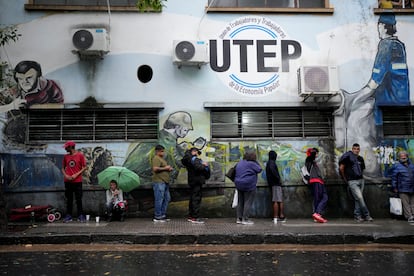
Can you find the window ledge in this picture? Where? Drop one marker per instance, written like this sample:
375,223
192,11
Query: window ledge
396,11
32,7
270,10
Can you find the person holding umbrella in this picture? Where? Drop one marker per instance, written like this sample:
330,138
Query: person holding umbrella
160,178
74,164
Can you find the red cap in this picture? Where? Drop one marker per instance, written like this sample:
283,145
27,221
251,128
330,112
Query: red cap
69,144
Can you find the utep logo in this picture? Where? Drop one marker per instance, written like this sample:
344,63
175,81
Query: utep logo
251,53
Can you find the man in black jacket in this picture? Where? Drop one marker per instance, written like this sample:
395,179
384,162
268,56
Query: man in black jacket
198,171
275,186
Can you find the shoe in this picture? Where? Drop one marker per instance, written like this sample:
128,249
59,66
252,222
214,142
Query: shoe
166,218
238,221
358,219
282,220
369,218
275,220
411,220
247,222
195,220
158,220
67,219
82,219
318,218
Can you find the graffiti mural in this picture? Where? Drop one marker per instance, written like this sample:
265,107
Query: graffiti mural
359,118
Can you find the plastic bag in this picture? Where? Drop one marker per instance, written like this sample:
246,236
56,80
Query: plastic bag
235,199
395,206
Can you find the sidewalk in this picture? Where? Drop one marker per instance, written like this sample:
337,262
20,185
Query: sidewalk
215,231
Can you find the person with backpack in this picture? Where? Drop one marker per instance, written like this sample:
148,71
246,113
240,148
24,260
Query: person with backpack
198,172
275,187
316,182
351,167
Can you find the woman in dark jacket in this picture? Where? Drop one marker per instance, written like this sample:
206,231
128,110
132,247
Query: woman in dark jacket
320,196
246,180
403,184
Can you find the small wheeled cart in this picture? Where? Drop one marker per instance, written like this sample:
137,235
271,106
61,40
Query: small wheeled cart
35,213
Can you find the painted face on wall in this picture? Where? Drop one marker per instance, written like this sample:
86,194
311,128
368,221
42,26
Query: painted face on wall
27,81
382,32
181,131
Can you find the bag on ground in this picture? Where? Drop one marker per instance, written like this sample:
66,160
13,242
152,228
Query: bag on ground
395,206
235,199
305,175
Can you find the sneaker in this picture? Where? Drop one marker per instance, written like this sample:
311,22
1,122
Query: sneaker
358,219
318,218
166,218
196,220
239,221
282,220
369,218
67,219
159,220
411,220
82,219
247,222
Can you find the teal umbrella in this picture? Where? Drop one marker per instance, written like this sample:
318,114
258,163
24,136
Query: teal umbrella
127,179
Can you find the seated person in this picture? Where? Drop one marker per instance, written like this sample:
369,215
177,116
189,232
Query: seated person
115,204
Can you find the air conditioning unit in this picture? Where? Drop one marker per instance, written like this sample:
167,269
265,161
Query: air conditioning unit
91,41
318,80
190,52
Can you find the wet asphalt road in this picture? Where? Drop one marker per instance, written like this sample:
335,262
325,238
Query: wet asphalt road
206,260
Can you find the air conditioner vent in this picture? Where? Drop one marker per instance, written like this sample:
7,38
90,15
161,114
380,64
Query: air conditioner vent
318,80
190,52
90,42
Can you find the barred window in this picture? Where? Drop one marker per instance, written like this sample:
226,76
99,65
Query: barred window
269,5
82,5
91,125
398,121
274,123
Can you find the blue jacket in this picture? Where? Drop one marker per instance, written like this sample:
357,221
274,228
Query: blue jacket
403,178
246,175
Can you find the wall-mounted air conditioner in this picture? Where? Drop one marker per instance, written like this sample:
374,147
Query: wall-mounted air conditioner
318,80
190,52
94,41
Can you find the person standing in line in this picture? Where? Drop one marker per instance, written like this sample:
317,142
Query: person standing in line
351,167
115,204
320,195
403,184
160,178
275,186
246,181
198,172
74,164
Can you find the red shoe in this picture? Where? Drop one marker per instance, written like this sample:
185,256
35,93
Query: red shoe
318,218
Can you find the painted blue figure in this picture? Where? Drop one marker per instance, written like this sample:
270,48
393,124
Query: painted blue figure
390,73
359,115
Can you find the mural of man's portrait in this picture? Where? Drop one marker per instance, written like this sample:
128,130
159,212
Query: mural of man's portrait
33,87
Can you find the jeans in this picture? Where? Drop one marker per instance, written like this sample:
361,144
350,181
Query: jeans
161,199
357,189
245,203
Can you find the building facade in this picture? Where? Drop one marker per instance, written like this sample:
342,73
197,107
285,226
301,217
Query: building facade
224,76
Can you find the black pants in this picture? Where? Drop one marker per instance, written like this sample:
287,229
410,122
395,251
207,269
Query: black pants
195,201
70,189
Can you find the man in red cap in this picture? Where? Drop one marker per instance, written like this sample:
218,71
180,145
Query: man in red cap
74,164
